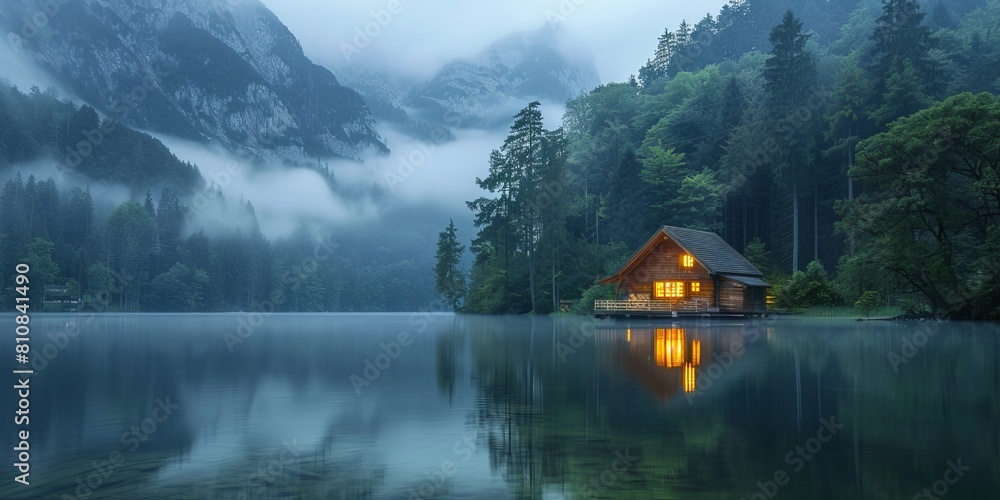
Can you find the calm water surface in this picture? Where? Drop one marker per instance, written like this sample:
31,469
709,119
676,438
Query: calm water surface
445,406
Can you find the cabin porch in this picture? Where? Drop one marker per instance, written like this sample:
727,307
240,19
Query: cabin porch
648,305
679,308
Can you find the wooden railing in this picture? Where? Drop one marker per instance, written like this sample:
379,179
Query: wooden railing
648,305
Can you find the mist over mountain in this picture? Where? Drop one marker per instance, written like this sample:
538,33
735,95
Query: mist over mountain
486,90
386,95
196,69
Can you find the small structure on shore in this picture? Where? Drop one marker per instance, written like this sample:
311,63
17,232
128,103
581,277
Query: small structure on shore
684,272
58,297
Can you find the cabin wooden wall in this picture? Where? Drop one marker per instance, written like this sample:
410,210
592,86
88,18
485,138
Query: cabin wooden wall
664,264
755,299
730,297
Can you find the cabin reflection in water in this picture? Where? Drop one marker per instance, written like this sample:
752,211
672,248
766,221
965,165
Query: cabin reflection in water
668,360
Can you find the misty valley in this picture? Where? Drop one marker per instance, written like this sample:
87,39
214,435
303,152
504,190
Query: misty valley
380,249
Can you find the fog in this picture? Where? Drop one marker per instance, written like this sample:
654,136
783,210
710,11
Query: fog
284,198
414,42
444,174
415,173
421,36
21,72
106,196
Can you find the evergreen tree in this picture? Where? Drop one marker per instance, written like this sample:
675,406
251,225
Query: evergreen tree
523,148
941,17
131,231
449,280
900,39
791,79
44,270
847,121
904,95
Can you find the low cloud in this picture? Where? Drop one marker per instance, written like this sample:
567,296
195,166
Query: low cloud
423,36
20,71
284,198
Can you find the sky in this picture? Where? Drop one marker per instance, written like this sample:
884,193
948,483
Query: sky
416,37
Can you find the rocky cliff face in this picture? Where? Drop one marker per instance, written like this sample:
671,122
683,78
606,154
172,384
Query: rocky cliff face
215,70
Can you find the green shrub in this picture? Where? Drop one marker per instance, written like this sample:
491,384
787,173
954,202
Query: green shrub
868,302
808,288
585,305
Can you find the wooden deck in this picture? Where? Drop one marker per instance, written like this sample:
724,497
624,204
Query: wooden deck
647,308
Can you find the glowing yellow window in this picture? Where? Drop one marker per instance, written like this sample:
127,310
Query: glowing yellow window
687,261
669,347
690,378
696,286
668,289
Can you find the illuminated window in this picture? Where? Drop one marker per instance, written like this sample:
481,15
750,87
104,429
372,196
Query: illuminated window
668,289
660,347
687,261
690,378
696,286
669,347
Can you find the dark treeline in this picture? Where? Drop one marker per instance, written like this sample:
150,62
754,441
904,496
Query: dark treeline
857,138
141,256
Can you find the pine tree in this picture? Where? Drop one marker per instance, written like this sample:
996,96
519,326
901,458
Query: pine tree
900,37
941,17
523,151
791,78
904,95
664,50
449,280
680,58
551,203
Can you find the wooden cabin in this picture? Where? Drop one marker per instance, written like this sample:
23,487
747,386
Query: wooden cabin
684,272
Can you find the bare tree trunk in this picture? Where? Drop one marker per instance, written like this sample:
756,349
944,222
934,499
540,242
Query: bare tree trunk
555,296
850,188
531,267
815,219
795,227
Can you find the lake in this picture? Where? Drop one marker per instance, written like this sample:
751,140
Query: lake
455,406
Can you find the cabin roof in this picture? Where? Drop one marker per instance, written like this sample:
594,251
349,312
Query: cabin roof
707,248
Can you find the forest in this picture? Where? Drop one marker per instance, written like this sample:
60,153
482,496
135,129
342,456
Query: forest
843,147
140,255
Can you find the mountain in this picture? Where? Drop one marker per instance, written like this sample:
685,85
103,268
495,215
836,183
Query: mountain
385,94
486,90
197,69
